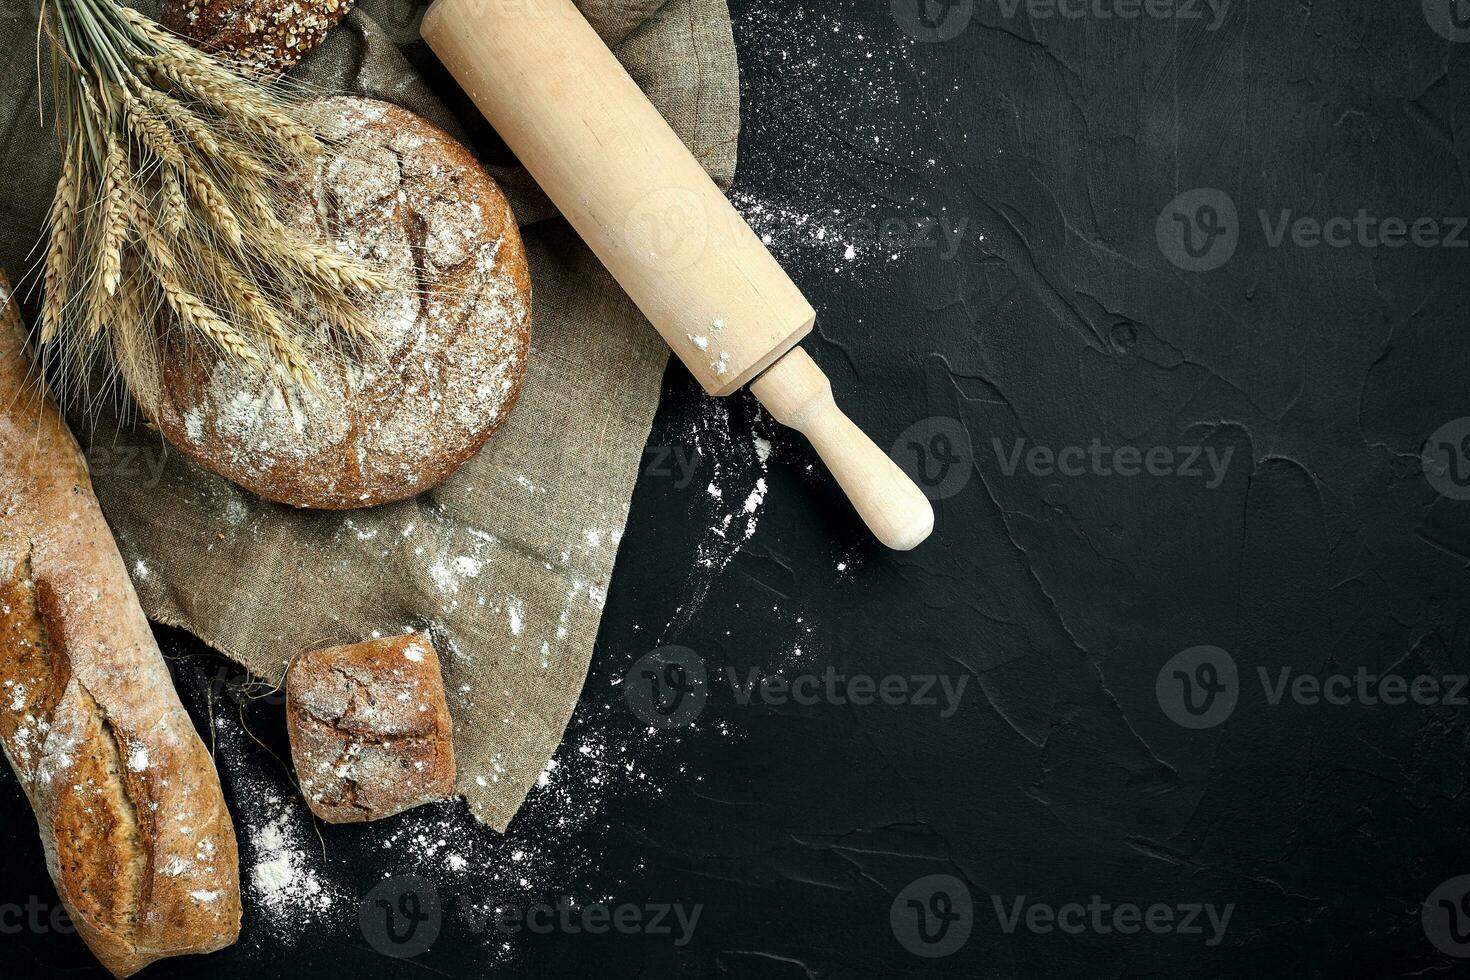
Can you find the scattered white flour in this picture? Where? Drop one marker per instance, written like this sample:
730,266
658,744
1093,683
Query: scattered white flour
738,454
281,863
283,877
757,497
812,77
138,758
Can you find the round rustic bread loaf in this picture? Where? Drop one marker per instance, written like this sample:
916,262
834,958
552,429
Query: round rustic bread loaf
265,37
453,335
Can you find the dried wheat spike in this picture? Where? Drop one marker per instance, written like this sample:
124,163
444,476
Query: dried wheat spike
175,205
113,221
62,251
197,314
150,131
215,207
233,97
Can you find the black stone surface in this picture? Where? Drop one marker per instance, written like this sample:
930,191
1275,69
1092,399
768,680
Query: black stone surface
1034,170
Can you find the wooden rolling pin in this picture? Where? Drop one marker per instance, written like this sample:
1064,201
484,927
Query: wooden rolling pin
636,195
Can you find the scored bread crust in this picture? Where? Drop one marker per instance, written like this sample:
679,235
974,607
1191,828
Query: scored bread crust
265,37
370,729
132,819
400,193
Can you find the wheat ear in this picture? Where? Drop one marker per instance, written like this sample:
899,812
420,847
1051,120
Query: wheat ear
62,251
214,205
190,308
114,222
234,97
175,205
263,317
150,131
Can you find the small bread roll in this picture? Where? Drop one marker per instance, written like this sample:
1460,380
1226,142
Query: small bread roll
370,728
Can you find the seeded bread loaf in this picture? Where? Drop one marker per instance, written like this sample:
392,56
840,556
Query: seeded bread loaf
454,331
370,729
265,37
134,825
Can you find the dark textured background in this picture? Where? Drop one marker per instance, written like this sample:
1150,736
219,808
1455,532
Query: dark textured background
1060,319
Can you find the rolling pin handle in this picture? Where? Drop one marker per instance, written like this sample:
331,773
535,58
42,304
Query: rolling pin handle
799,395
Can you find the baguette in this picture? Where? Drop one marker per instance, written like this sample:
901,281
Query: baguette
134,825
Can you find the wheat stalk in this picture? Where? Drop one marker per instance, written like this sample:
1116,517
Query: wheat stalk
176,173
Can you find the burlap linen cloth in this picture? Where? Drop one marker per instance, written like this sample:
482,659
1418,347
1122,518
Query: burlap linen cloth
508,562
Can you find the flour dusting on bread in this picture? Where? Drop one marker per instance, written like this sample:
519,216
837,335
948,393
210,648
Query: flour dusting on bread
451,337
